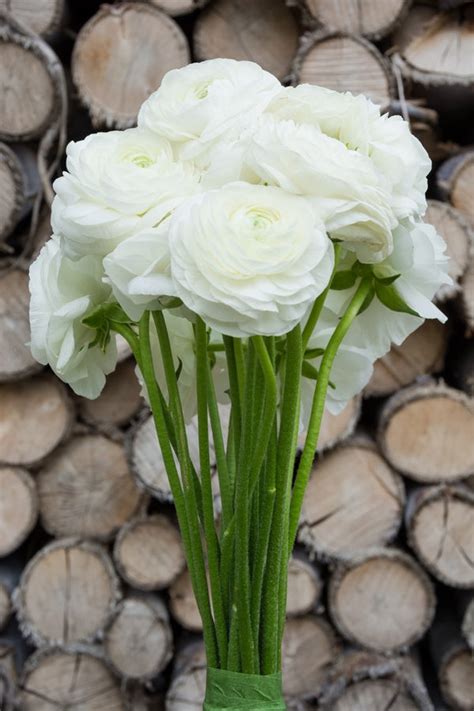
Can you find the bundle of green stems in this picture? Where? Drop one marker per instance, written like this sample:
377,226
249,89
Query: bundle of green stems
238,561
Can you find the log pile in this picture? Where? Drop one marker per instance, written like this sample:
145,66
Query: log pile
96,607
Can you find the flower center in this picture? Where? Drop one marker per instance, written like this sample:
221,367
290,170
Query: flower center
141,160
261,218
201,90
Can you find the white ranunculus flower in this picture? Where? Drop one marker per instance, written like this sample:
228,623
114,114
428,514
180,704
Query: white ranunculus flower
249,259
419,257
201,103
117,184
63,292
356,122
181,335
139,271
342,184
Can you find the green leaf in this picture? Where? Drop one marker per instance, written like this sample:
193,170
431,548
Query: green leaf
387,280
309,371
313,353
312,373
114,312
367,301
95,319
343,280
390,298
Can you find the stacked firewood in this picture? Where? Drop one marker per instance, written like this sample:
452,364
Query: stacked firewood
96,607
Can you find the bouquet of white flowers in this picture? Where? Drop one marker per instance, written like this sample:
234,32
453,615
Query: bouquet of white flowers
258,246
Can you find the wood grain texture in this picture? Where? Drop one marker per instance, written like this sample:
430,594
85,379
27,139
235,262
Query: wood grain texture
118,402
382,601
309,648
5,606
178,7
354,501
79,680
12,191
436,48
42,18
365,681
440,522
305,584
27,88
422,353
67,594
262,31
18,508
120,58
457,233
455,182
16,360
86,489
343,63
148,552
35,416
363,17
138,641
425,432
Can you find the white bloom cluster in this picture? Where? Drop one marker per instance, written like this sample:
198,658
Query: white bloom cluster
228,198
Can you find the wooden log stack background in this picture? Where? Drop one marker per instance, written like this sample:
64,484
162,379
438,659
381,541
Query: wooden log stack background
96,608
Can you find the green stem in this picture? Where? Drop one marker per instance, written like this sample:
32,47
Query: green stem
202,368
320,301
235,391
225,484
317,409
242,527
274,596
185,502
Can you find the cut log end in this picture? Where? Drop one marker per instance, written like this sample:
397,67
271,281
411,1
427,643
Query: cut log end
467,627
188,686
5,607
456,676
183,604
120,58
382,601
343,63
178,7
454,229
309,649
304,586
118,402
55,679
425,41
16,360
138,641
455,182
362,680
86,489
26,111
422,353
67,593
18,508
12,190
36,415
353,501
440,526
148,552
412,433
372,19
42,18
263,31
146,460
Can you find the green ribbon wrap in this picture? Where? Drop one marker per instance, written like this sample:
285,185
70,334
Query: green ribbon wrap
232,690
